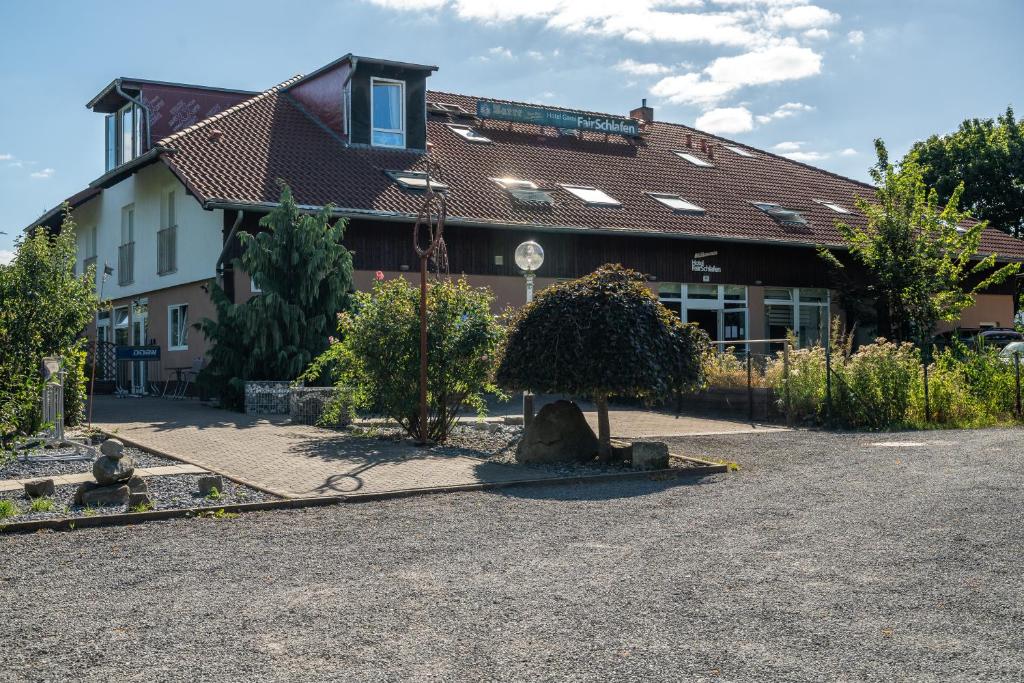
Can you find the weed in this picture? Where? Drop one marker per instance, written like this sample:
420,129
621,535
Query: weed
217,514
142,507
8,509
214,494
42,504
90,511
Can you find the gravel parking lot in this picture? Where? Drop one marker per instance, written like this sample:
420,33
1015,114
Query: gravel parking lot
826,557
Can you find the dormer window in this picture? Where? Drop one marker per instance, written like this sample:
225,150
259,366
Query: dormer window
387,111
124,135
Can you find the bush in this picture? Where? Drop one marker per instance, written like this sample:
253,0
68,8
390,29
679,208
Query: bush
602,335
376,362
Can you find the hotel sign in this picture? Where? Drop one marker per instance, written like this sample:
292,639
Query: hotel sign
556,118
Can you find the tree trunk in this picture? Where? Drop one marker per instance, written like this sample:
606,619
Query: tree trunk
604,438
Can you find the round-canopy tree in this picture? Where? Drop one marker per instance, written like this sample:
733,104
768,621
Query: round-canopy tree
602,335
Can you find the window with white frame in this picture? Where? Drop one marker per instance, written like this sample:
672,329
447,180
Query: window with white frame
676,203
838,208
739,150
177,327
525,191
253,287
720,310
693,159
591,195
801,310
387,111
415,180
468,133
124,135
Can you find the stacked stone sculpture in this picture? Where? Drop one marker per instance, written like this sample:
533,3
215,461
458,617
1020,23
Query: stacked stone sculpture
116,483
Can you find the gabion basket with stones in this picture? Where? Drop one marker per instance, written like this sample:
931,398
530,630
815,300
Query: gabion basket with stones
307,404
267,398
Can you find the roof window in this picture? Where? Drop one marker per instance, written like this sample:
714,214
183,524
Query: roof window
832,205
467,133
676,203
695,160
782,215
445,108
739,150
591,195
525,191
415,180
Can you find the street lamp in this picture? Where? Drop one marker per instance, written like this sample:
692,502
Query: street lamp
529,257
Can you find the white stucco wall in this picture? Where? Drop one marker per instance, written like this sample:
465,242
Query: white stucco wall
198,236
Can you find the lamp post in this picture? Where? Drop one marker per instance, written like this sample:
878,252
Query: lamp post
107,272
529,257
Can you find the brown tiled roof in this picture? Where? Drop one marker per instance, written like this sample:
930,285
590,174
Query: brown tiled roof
236,157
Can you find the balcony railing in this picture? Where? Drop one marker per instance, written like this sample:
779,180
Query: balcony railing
167,250
126,264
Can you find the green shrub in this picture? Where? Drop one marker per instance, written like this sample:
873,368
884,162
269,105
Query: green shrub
41,504
8,508
873,387
376,362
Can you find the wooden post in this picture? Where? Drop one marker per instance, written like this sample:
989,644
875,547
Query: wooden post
750,386
785,384
424,436
1016,369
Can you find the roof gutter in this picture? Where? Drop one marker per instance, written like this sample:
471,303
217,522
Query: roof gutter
371,214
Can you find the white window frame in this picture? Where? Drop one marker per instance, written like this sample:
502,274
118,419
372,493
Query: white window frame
838,208
682,304
171,346
373,81
795,303
575,191
740,151
510,183
403,178
128,224
692,158
469,134
168,208
665,198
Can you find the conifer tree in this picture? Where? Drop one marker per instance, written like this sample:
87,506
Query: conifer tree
305,274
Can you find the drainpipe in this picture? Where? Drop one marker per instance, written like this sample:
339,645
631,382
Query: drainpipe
143,107
219,267
353,62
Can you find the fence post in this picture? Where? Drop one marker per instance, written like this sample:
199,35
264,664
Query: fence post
927,401
1016,369
828,377
750,386
785,383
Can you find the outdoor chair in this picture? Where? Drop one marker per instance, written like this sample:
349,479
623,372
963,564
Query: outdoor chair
189,376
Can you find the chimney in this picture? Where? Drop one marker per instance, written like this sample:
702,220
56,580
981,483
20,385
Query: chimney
711,152
643,112
689,141
703,145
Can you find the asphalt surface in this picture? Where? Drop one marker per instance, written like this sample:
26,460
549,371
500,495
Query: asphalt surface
824,558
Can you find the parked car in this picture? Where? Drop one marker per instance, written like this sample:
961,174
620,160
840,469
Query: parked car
1008,351
992,337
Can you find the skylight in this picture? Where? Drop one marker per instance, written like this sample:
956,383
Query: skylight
467,133
591,195
782,215
676,203
525,191
415,180
445,108
696,161
739,150
832,205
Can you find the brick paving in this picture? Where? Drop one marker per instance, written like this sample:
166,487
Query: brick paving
295,461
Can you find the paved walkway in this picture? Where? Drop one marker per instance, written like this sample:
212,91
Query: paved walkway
295,461
63,479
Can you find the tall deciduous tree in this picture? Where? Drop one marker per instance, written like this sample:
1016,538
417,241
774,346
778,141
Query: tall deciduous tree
305,274
986,156
922,254
603,335
44,307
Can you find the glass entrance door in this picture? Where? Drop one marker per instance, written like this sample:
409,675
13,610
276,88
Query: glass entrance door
140,334
719,310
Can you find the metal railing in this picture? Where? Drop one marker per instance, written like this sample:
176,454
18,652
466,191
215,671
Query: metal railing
167,250
126,263
753,368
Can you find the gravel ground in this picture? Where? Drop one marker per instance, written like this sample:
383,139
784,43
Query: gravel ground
824,558
176,491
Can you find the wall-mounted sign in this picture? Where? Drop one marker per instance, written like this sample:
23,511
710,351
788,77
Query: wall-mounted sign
698,266
557,118
705,254
137,352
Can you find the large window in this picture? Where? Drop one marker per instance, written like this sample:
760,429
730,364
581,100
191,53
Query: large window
804,311
177,327
388,113
124,135
719,310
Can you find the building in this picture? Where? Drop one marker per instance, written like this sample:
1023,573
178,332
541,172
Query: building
727,233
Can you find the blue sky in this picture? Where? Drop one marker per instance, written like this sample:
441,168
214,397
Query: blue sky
814,80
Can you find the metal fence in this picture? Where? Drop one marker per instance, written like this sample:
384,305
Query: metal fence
126,264
167,250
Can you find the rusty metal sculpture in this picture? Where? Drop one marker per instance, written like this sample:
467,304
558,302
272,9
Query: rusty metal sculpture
431,216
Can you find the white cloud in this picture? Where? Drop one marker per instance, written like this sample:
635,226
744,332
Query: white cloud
770,65
807,157
848,152
642,69
817,34
855,37
502,52
691,88
6,157
6,256
44,173
726,120
16,164
797,152
788,146
534,54
803,17
785,111
411,5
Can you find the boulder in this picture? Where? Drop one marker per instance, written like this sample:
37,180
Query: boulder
650,455
112,448
138,485
82,490
558,433
514,420
40,488
106,495
139,499
109,470
208,484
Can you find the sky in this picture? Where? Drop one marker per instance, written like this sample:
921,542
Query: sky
816,80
